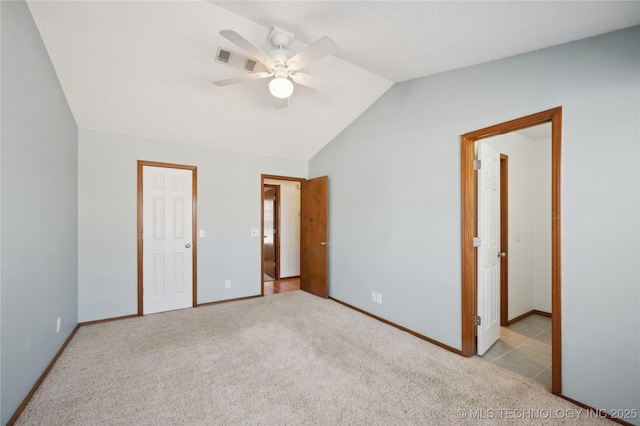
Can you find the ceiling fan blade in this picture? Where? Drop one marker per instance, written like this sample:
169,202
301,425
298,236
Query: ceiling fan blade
245,45
240,79
321,48
281,103
316,83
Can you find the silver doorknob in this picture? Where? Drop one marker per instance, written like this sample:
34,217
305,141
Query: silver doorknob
324,243
502,254
188,246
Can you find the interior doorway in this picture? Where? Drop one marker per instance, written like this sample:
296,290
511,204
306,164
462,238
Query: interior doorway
470,229
280,252
271,232
523,341
525,222
309,231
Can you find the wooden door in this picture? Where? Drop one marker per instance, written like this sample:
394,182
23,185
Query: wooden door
314,244
270,229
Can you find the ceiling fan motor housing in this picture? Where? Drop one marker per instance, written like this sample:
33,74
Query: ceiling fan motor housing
280,38
280,56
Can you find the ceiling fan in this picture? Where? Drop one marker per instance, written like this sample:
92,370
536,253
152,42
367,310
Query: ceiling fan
282,65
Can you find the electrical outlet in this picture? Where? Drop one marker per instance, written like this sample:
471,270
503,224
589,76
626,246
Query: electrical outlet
58,324
227,284
379,298
373,296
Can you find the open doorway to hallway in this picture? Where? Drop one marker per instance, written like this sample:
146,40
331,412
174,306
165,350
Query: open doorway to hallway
309,232
271,230
281,234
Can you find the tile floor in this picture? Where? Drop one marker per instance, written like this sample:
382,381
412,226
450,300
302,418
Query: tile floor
525,348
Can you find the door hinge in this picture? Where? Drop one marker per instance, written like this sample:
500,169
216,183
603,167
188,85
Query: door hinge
274,264
476,242
477,164
477,320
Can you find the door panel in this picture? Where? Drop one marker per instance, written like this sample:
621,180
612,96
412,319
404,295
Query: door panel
167,265
488,259
314,256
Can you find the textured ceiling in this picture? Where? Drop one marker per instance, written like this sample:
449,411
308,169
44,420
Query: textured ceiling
403,40
145,68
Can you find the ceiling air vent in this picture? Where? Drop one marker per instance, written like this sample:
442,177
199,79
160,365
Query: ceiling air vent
238,61
250,65
223,56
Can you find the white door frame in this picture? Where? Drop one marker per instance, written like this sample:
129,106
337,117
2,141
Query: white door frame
194,226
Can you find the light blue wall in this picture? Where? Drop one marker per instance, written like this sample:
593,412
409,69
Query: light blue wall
39,239
394,177
229,189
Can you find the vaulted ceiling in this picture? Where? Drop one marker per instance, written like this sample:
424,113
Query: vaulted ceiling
145,68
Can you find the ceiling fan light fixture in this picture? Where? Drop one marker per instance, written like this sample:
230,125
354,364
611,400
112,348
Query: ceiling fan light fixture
281,87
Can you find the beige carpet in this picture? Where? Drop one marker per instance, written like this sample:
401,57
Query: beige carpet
290,358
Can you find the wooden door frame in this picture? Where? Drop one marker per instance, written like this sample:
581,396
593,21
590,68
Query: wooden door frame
262,185
194,227
504,239
469,229
276,225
